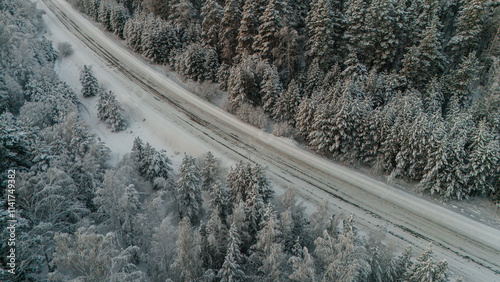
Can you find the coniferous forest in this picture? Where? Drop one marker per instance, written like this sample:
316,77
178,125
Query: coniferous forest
410,89
407,88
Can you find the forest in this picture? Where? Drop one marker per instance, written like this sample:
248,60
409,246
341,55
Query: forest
80,219
408,89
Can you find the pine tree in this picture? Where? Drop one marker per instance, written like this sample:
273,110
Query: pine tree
303,267
109,110
354,35
271,88
118,17
321,32
304,117
288,103
248,29
105,14
427,55
157,40
210,172
266,42
158,169
133,30
446,171
228,35
426,269
469,27
383,26
188,190
400,268
244,181
211,12
188,262
219,201
231,269
320,137
458,84
216,240
484,160
315,77
89,82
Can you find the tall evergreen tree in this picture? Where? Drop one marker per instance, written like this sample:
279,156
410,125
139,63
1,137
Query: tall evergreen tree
321,32
188,190
427,55
271,88
266,42
231,269
211,12
248,29
459,84
90,86
188,261
109,110
427,270
469,27
288,103
229,26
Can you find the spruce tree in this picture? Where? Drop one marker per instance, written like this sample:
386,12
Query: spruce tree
210,172
271,88
231,269
248,29
426,269
211,12
188,190
188,262
320,30
304,117
109,110
228,35
89,82
288,103
469,27
266,42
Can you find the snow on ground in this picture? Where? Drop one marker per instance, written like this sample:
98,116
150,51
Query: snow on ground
145,123
151,125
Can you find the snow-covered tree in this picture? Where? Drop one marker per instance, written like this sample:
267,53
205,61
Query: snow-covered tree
158,169
427,55
303,267
188,262
459,84
288,102
426,269
211,12
304,117
266,42
469,27
188,190
89,82
321,31
118,17
248,28
271,88
210,173
244,180
219,200
109,110
228,34
231,269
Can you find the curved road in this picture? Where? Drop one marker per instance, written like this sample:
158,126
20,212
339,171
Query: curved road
472,249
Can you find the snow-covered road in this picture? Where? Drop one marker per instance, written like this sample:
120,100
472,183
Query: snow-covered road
471,248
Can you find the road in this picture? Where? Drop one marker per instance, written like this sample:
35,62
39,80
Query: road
472,249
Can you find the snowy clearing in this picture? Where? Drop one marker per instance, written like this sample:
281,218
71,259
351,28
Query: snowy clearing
166,115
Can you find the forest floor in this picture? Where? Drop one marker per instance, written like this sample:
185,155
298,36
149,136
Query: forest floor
464,233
